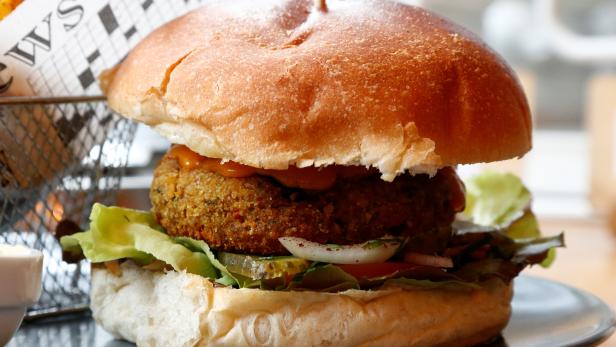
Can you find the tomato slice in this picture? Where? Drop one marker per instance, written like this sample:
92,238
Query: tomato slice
360,271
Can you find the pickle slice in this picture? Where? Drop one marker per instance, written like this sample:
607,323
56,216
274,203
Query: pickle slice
262,268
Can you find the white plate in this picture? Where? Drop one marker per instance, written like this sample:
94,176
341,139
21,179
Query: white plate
551,314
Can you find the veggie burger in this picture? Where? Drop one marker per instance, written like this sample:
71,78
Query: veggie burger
310,197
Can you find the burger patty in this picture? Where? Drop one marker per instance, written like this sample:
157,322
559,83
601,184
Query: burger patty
249,214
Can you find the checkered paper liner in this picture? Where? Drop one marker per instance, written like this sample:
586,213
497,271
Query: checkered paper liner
44,180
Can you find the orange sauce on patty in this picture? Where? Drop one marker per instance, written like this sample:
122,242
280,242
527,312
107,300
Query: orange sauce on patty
305,178
312,178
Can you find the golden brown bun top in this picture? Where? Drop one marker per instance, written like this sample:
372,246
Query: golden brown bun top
376,83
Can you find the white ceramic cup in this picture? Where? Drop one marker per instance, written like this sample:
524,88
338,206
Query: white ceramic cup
21,269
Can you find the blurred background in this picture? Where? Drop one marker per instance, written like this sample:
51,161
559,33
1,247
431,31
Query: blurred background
564,52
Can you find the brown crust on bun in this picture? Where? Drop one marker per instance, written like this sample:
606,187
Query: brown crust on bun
180,309
375,83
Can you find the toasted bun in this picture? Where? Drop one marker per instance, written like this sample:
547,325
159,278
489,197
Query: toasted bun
179,309
366,82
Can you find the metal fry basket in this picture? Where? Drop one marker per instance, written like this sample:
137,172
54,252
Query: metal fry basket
57,157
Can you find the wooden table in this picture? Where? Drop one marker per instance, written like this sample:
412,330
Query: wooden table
588,262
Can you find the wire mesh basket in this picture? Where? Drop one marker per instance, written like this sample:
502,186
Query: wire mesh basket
57,157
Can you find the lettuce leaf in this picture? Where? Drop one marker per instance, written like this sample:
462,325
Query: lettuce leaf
495,199
324,278
549,259
100,245
515,253
118,233
200,246
502,201
532,250
525,227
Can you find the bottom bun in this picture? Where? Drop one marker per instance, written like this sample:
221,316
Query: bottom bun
180,309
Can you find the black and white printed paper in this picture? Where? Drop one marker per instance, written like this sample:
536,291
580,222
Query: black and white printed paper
60,47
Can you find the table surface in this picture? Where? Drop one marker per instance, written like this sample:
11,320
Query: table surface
588,262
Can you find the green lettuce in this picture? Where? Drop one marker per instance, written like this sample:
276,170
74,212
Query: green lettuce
538,249
119,233
324,278
502,201
227,277
496,199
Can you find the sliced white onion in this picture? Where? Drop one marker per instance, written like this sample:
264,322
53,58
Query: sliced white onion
428,260
375,251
